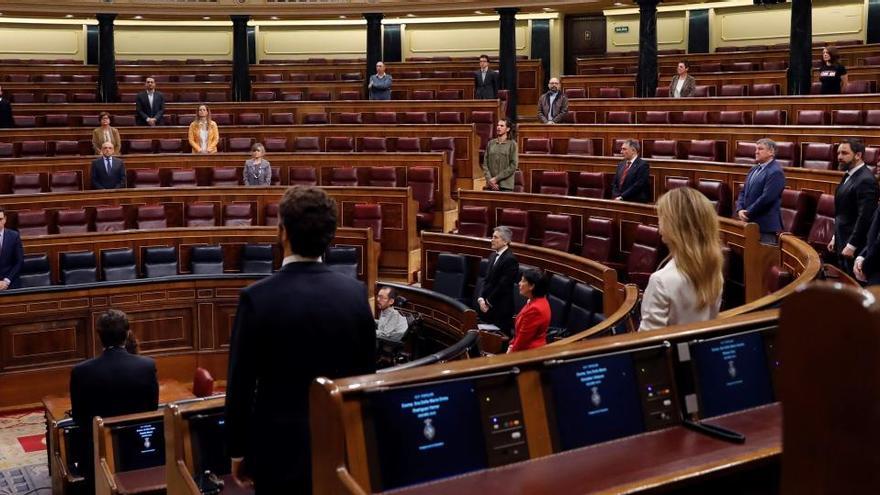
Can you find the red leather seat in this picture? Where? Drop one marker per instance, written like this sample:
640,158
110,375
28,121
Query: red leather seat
410,74
343,177
32,222
371,144
484,122
818,156
275,144
55,97
553,182
815,88
598,235
24,121
64,181
170,145
846,117
676,182
415,118
557,232
291,96
141,146
709,67
23,98
72,221
774,65
517,221
329,76
644,255
734,90
769,117
871,156
350,76
617,117
109,218
822,229
145,177
238,215
18,77
26,183
872,117
124,120
656,117
764,89
473,221
33,148
382,177
738,66
449,118
449,94
183,177
590,185
662,148
795,212
57,120
422,181
385,117
706,150
297,77
811,117
6,150
776,278
66,148
281,118
303,176
422,94
132,78
84,97
349,95
250,118
610,93
151,217
695,117
218,96
661,91
446,145
189,96
537,146
577,146
306,144
319,95
408,144
575,93
203,383
239,144
732,117
350,118
873,60
198,214
785,153
271,215
368,215
225,176
339,144
264,95
272,77
518,183
718,194
702,91
859,87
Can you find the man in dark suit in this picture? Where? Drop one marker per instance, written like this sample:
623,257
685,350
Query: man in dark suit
485,81
553,105
108,171
149,105
854,203
112,384
11,255
867,265
632,181
303,322
760,200
496,300
6,120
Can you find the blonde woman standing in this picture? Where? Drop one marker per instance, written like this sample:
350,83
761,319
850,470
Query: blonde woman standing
688,288
203,132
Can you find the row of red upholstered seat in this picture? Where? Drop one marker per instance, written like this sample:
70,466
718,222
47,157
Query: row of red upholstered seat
736,117
218,96
818,156
732,66
303,144
324,95
757,89
598,243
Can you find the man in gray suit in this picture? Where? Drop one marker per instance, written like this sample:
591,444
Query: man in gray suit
108,171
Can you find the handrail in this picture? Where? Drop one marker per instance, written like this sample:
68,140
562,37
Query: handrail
451,352
622,315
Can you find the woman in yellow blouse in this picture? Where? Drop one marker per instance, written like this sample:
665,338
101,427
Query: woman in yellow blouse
203,132
105,134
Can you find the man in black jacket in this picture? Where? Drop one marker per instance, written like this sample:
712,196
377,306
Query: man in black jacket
485,81
854,203
632,180
149,105
496,300
108,171
303,322
112,384
6,120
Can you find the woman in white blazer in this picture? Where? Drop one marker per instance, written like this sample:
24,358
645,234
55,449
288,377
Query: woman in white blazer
688,288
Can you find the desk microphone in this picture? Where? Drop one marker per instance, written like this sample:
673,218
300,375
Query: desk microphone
715,431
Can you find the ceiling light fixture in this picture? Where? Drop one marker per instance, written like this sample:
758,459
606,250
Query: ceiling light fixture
274,18
207,18
138,17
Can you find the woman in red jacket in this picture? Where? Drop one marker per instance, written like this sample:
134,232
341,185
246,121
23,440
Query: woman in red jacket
530,326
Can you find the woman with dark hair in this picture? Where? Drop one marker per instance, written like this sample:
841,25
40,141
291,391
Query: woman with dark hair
532,322
832,74
105,134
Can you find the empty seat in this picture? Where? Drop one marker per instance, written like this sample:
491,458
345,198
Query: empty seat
23,98
55,97
151,217
141,146
745,152
695,117
415,118
598,235
578,146
339,144
553,182
281,118
518,183
382,177
585,309
189,96
306,144
450,276
109,218
408,145
769,117
206,260
35,271
656,117
822,228
33,148
818,156
644,255
160,261
198,214
662,148
371,144
72,221
385,117
291,96
473,221
319,95
78,267
795,210
846,117
732,117
617,117
118,264
145,177
738,66
764,89
422,94
6,150
449,94
517,221
446,145
64,182
423,181
250,118
676,182
56,120
350,118
610,93
238,214
264,95
183,177
342,259
84,97
216,96
349,95
872,117
718,194
24,121
785,153
32,222
858,87
559,297
734,90
257,258
303,176
557,232
774,65
590,185
315,118
575,93
484,123
536,146
368,215
239,144
343,176
707,150
26,183
275,144
811,117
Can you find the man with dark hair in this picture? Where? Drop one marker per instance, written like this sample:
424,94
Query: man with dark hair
302,322
760,200
632,181
485,81
11,255
496,301
854,203
149,105
682,84
112,384
391,325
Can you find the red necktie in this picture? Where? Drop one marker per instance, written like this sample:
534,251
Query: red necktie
625,171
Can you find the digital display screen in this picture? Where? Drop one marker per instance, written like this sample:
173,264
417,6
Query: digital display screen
425,433
595,400
208,439
139,446
731,374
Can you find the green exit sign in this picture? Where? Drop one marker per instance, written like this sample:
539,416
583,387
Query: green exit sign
621,29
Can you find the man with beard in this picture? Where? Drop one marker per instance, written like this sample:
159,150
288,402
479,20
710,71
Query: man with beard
553,105
854,203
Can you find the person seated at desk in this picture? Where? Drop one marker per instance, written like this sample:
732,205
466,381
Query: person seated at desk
257,170
108,171
683,84
11,255
112,384
533,321
203,132
105,133
391,325
688,288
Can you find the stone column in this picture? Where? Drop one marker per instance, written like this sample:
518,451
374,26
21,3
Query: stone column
374,46
241,69
507,57
800,61
646,81
108,90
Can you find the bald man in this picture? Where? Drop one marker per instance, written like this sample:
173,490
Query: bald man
553,105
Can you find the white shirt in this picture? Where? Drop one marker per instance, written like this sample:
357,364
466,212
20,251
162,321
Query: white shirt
678,86
150,98
670,299
391,325
295,258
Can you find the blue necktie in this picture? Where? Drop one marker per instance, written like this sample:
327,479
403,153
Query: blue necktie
107,160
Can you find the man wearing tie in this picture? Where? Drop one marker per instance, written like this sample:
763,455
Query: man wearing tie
485,81
108,171
854,203
11,255
496,300
632,180
760,200
149,105
553,105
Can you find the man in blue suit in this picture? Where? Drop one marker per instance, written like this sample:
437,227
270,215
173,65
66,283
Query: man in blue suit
760,200
11,255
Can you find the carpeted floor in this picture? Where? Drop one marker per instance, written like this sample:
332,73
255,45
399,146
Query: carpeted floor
23,465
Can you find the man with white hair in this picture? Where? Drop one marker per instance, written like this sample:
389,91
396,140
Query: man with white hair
496,299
